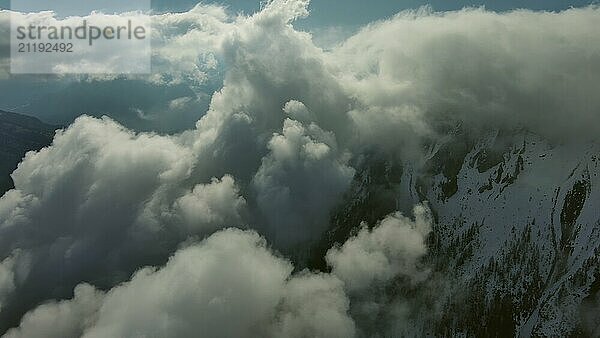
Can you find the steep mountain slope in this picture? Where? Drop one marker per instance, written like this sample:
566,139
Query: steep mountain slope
516,244
19,134
525,221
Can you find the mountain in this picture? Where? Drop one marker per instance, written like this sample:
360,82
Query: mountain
18,135
515,249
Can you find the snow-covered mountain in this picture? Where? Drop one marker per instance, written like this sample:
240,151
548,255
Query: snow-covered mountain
515,247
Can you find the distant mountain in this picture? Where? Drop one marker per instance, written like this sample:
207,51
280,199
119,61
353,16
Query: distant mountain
18,135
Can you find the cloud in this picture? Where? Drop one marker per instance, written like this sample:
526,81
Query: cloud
183,44
393,247
13,270
314,305
378,265
526,69
7,279
231,277
519,69
101,201
61,319
299,181
186,45
216,203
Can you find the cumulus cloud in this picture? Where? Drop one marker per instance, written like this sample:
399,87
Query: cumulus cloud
394,246
300,180
234,277
216,203
229,285
314,305
378,265
61,319
102,200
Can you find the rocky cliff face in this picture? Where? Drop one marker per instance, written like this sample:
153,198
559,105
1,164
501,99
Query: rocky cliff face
515,249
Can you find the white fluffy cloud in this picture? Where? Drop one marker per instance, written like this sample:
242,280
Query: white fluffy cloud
215,203
393,247
102,200
96,166
230,285
517,69
233,285
186,45
67,318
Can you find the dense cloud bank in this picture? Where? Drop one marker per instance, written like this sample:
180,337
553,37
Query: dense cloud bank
518,69
101,201
274,153
233,285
